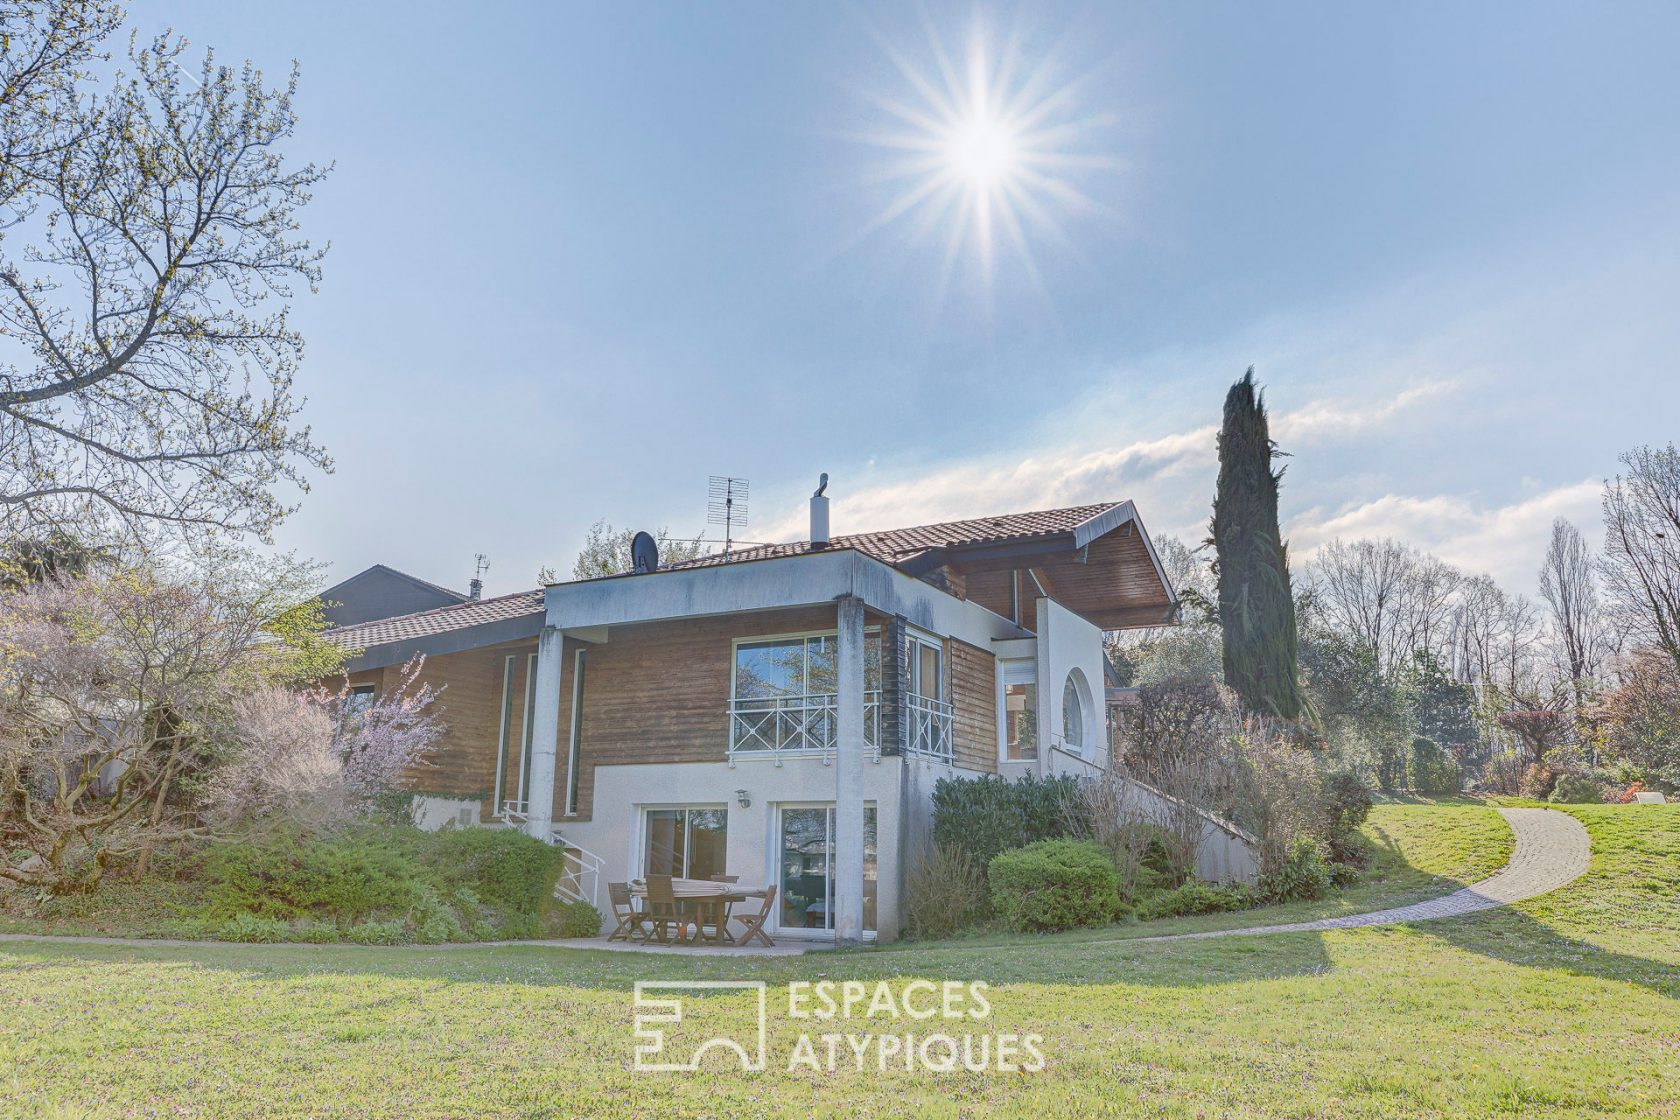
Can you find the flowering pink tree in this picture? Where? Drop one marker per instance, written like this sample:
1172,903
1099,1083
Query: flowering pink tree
314,758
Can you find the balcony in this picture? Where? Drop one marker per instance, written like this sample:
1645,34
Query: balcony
777,726
929,728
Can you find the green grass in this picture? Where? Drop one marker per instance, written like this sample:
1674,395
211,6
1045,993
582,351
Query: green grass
1418,850
1562,1006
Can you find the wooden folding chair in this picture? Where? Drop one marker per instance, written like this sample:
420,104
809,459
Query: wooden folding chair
753,924
662,912
630,920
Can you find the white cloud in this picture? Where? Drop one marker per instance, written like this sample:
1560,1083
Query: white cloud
1505,541
1176,469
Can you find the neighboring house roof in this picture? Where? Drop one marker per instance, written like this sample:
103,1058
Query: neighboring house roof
450,629
895,546
383,592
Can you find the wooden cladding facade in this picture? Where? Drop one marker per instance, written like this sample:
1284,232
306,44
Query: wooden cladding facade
974,734
464,764
653,693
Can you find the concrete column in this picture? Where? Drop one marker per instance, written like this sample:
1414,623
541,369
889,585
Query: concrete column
545,734
848,773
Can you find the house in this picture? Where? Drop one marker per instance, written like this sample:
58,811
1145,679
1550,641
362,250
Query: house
780,713
382,592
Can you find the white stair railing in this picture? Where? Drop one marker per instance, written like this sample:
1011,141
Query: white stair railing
580,875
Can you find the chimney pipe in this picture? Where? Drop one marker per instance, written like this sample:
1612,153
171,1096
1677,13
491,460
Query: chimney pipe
475,589
819,515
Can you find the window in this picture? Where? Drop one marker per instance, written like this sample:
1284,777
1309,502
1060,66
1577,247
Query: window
577,734
685,843
513,770
930,715
1075,704
927,678
356,704
784,691
1020,712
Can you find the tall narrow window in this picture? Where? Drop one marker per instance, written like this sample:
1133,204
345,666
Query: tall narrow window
577,734
927,677
1020,712
530,718
506,727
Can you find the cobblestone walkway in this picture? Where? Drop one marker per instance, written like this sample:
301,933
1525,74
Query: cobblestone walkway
1552,850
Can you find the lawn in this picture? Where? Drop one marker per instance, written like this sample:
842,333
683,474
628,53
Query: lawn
1562,1006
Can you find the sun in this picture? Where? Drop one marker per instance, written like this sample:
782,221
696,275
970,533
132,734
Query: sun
987,149
983,151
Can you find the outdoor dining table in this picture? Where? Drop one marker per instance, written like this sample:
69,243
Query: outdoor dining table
710,899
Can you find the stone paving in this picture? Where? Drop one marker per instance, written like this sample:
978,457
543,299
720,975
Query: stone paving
1552,849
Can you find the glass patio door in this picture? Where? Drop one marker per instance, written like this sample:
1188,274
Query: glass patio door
805,898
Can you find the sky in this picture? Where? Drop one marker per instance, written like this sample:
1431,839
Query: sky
971,259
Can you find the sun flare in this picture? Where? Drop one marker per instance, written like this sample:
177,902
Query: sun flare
987,150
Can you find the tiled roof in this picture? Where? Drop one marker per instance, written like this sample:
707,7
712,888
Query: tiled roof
891,546
439,620
896,545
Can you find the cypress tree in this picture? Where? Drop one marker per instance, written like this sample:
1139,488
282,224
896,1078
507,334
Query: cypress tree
1256,603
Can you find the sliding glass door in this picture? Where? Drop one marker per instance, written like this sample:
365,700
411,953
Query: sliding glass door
806,894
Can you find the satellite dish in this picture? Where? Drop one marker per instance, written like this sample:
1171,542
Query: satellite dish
644,553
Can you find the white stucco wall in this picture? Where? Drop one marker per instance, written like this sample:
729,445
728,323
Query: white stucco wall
1067,642
433,813
753,846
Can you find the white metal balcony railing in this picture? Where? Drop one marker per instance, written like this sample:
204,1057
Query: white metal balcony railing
930,727
773,726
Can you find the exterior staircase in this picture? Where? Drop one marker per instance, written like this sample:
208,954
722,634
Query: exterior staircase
580,877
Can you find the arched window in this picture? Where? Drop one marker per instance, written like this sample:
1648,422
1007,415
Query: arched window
1076,713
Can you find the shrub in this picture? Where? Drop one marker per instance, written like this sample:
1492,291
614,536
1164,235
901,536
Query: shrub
1050,807
1054,884
432,920
1576,789
1278,794
346,878
377,933
1302,875
944,891
1347,804
1196,897
505,868
444,886
987,815
250,928
1537,781
576,919
981,815
1430,769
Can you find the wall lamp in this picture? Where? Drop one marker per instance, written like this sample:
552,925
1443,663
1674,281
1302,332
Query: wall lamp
743,799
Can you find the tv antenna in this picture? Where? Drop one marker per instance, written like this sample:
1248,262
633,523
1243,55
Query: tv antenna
726,505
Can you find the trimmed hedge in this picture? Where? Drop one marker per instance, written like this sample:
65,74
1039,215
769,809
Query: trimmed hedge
1054,884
